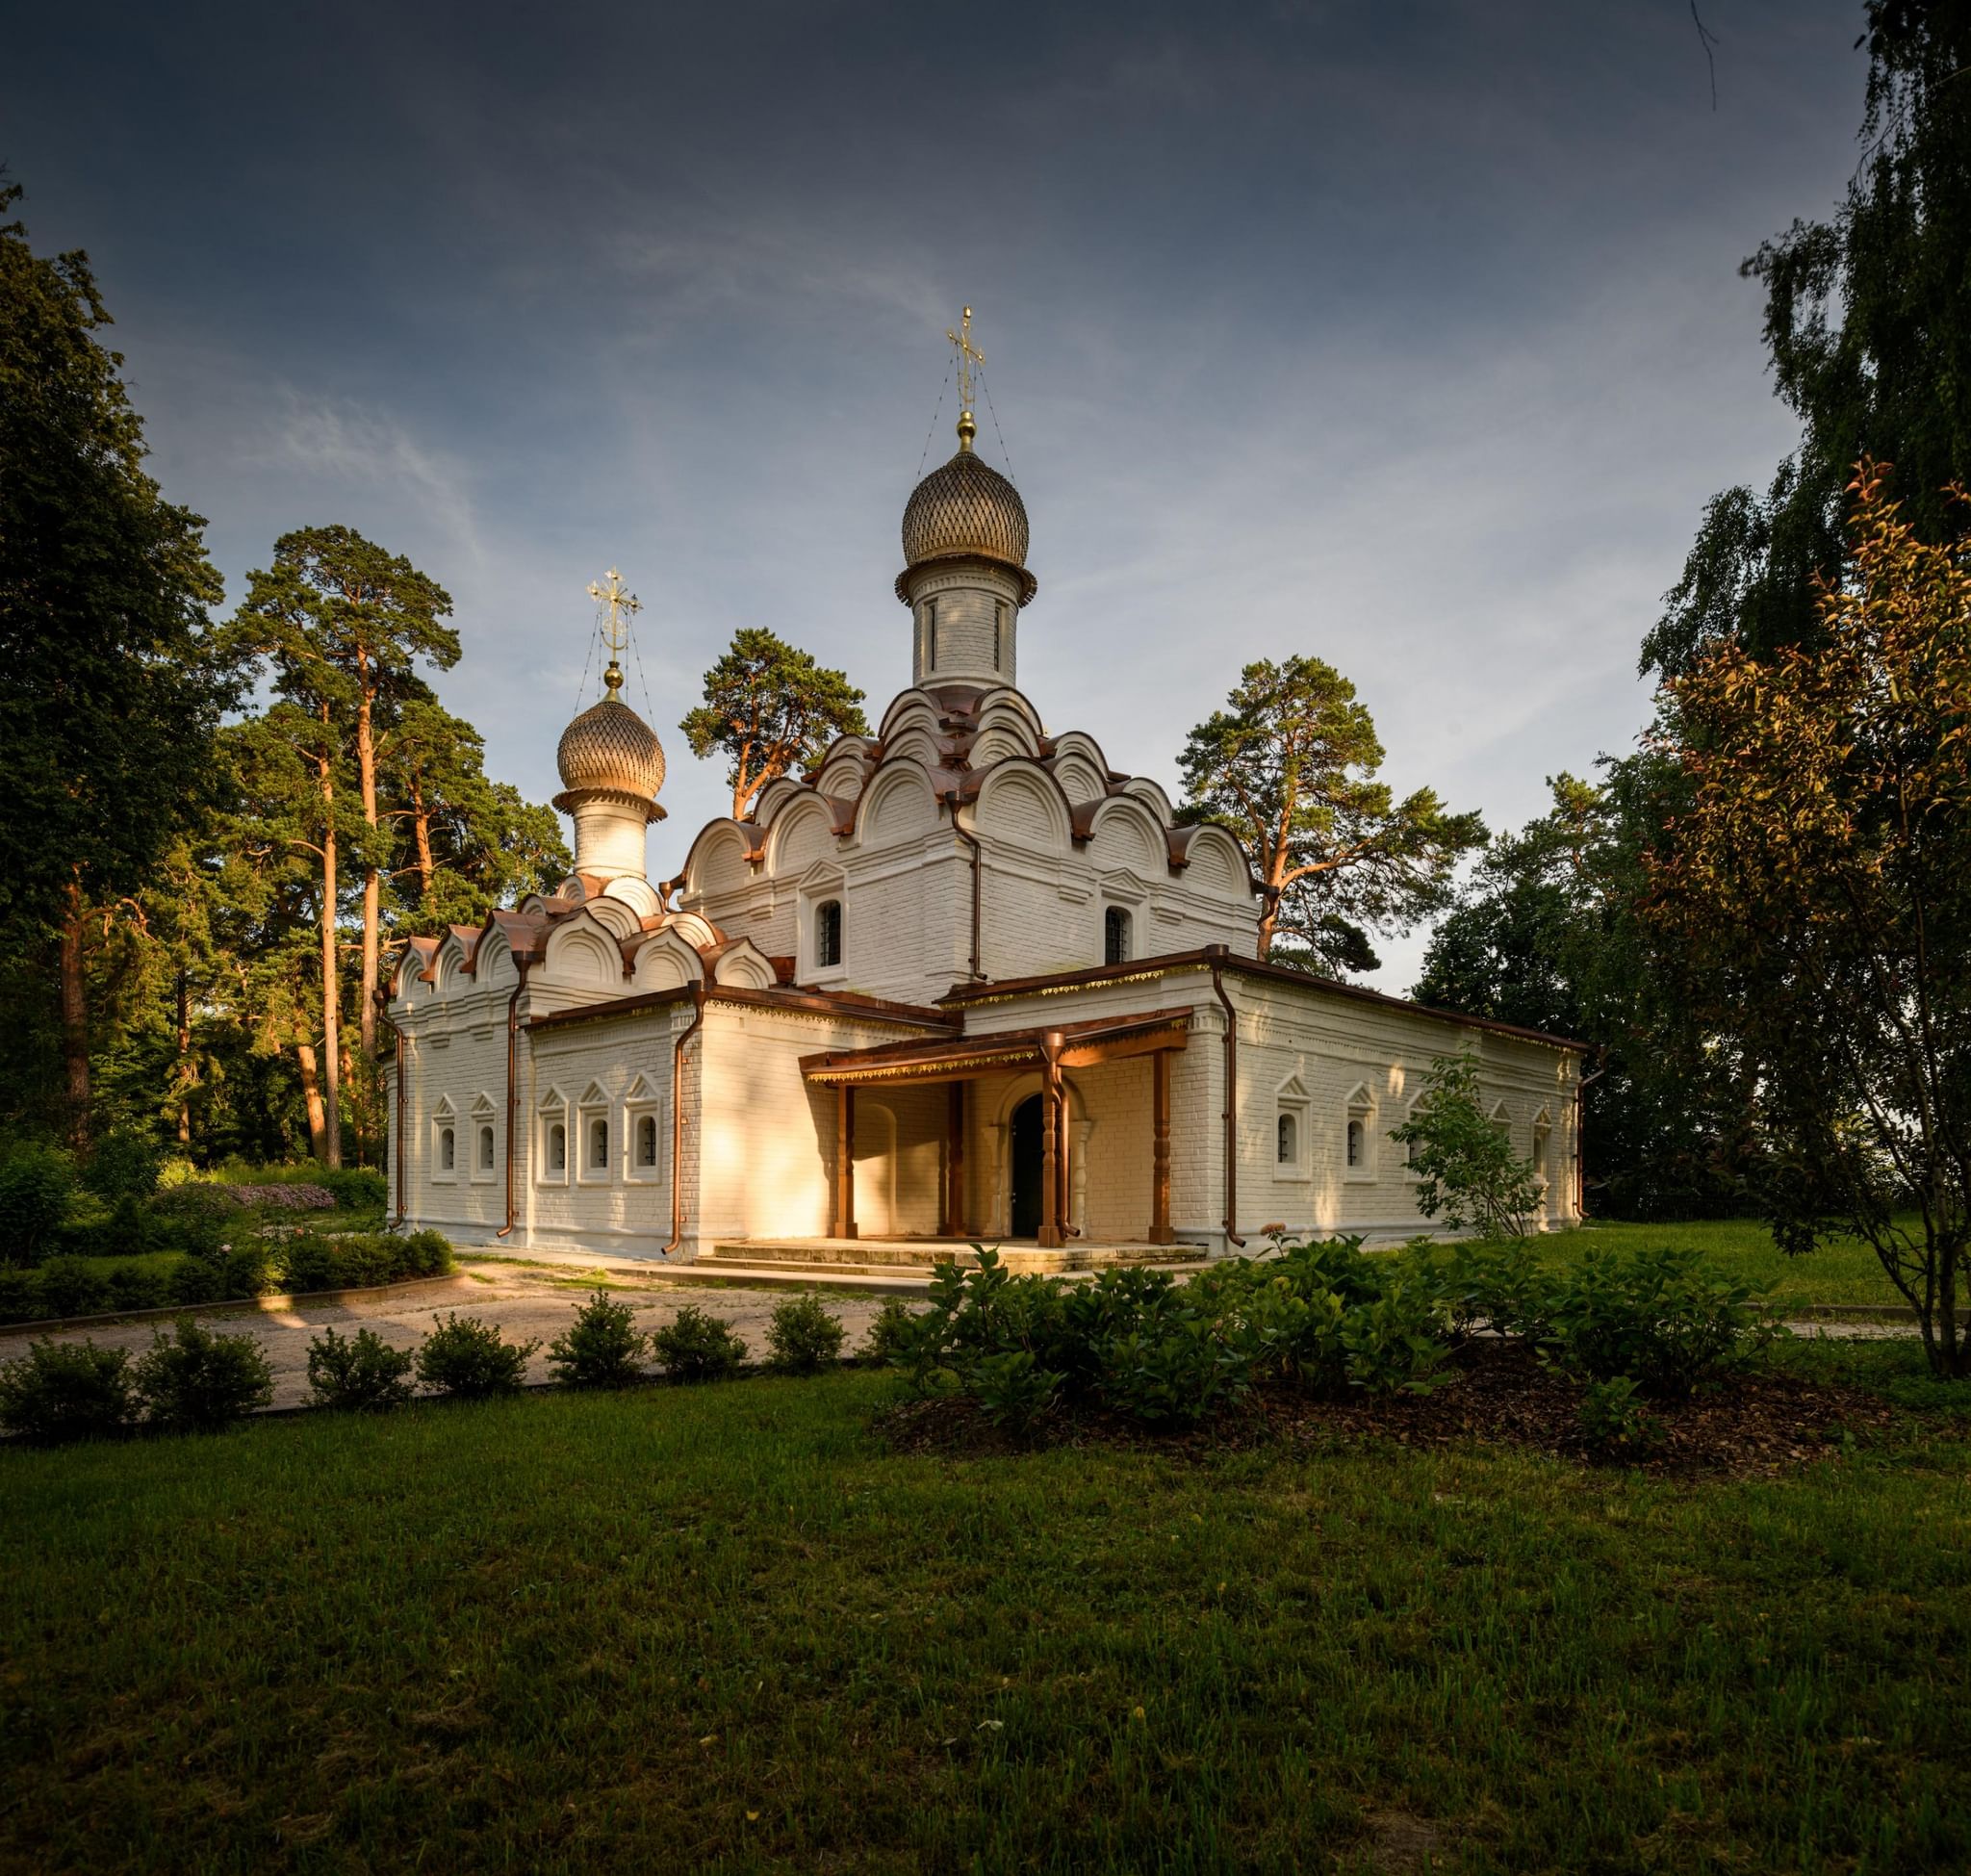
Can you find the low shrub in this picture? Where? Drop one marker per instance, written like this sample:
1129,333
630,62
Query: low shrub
68,1286
1664,1319
1014,1391
696,1346
34,1184
194,1380
891,1338
467,1359
1173,1371
1615,1424
137,1286
66,1391
601,1348
122,1165
311,1262
365,1375
803,1337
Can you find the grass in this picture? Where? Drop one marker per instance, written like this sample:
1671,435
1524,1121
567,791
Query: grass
724,1628
1844,1272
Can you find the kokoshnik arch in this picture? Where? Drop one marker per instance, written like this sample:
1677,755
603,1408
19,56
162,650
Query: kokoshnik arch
962,980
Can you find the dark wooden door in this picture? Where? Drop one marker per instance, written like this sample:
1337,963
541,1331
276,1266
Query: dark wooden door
1026,1167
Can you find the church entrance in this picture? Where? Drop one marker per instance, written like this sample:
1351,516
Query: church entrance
1026,1168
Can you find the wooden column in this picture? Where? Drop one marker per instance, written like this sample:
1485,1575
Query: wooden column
1050,1158
845,1160
955,1162
1160,1150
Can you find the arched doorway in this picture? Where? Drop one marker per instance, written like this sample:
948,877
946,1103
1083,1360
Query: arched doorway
1026,1167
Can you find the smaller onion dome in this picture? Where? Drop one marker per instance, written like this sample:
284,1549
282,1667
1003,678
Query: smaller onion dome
966,509
610,750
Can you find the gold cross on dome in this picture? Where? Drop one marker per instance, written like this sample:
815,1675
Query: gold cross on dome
968,357
621,602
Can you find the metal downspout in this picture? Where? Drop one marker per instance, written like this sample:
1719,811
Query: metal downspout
512,1093
399,1143
1231,1110
971,840
678,1121
1580,1148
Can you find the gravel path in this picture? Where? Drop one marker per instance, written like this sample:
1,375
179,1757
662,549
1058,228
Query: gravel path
525,1301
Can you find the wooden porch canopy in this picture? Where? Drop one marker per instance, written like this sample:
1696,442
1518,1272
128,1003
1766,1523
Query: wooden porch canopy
1068,1046
1053,1052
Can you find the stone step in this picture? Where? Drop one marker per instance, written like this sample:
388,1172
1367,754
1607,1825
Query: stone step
868,1256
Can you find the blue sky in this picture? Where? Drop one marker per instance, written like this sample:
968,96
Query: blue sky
1408,336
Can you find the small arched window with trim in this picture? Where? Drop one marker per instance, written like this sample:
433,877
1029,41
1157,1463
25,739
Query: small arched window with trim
557,1148
646,1139
448,1149
827,934
1286,1140
486,1150
1115,936
598,1145
1357,1142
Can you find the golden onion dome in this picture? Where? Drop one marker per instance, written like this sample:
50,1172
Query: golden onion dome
609,749
967,509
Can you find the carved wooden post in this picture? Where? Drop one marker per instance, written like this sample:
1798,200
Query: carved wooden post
845,1160
1160,1150
1049,1235
955,1162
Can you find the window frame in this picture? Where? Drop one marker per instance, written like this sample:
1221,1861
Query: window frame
643,1103
1291,1100
549,1113
593,1106
1111,914
1358,1109
443,1122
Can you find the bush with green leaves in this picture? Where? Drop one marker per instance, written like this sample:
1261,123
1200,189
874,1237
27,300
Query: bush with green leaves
891,1337
696,1346
34,1184
122,1165
1014,1391
803,1337
1615,1424
194,1380
1665,1318
469,1360
1467,1171
364,1374
73,1286
66,1391
601,1347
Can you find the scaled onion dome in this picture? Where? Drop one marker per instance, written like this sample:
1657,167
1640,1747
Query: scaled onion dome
609,750
966,510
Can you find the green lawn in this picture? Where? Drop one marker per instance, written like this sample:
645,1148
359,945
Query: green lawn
726,1629
1846,1272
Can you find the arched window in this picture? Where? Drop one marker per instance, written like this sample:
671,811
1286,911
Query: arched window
557,1148
1286,1140
448,1149
646,1139
486,1150
827,934
599,1145
1115,936
1355,1142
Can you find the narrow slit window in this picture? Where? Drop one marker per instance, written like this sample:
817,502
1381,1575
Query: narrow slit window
598,1145
931,636
448,1147
827,934
1286,1140
1115,936
646,1140
485,1150
1355,1142
557,1148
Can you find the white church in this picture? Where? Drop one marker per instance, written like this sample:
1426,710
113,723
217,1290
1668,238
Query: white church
963,982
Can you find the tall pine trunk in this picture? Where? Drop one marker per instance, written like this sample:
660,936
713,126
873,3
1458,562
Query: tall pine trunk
427,868
74,1019
310,1095
372,876
331,987
186,1077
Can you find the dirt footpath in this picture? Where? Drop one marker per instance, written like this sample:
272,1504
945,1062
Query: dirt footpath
528,1301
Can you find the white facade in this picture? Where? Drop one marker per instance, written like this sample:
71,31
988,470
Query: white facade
641,1069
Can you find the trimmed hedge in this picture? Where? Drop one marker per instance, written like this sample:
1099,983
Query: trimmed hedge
75,1286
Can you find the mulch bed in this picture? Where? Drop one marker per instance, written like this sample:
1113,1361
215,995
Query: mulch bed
1495,1393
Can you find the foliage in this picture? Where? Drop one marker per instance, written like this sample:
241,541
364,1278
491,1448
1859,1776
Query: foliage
195,1380
697,1347
891,1336
768,706
1466,1167
1818,889
108,713
1664,1319
601,1347
34,1183
1014,1391
365,1373
66,1391
1615,1423
466,1358
1545,934
803,1336
1868,331
1289,766
122,1165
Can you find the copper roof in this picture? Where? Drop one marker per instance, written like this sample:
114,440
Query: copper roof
960,1058
609,748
